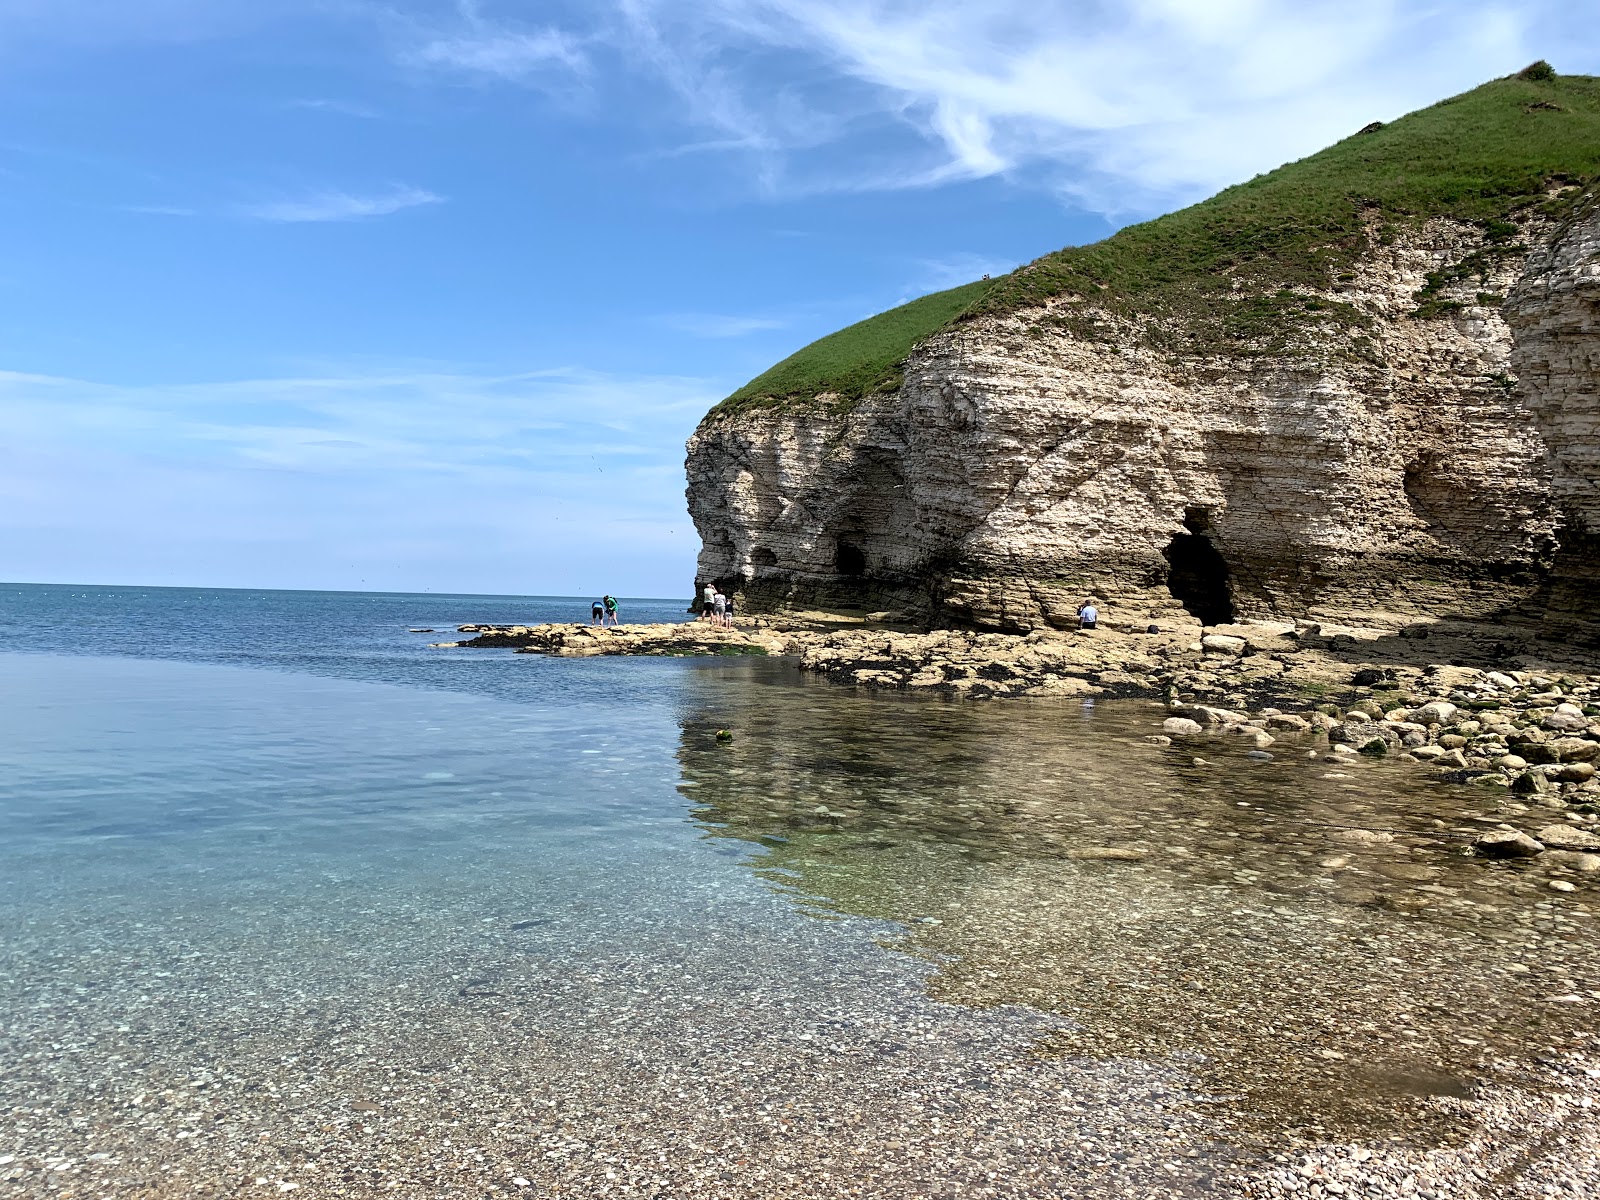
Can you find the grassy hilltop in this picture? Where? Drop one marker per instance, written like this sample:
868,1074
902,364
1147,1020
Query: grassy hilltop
1230,273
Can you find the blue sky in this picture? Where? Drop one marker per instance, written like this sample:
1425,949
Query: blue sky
427,294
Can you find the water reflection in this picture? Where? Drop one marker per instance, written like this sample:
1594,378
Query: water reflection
1310,940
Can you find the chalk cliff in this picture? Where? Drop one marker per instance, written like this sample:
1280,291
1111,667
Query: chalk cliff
1555,320
1374,446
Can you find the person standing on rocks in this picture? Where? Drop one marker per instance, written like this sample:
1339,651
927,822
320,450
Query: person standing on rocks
611,611
597,612
708,602
1088,614
719,608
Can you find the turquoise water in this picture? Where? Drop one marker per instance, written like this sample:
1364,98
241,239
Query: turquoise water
292,902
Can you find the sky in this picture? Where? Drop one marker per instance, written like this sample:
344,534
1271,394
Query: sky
428,294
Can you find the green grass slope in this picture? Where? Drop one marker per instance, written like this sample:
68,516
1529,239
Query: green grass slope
1228,275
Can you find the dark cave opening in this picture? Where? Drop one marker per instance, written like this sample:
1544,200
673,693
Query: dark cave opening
763,556
849,559
1198,574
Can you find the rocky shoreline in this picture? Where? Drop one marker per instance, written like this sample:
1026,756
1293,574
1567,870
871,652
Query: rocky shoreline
1527,734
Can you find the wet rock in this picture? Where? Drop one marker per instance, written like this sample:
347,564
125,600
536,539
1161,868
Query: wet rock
1288,722
1107,854
1181,727
1530,783
1364,837
1575,860
1158,739
1507,843
1206,715
1568,837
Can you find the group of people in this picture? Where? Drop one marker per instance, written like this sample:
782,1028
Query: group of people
715,607
604,612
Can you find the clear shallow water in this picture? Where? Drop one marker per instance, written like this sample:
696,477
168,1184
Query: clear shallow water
389,920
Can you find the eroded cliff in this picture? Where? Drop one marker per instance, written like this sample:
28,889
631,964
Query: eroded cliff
1347,439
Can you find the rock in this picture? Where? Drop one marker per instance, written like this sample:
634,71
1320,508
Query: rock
1373,747
1512,762
1574,749
1181,727
1372,676
1427,753
1158,739
1566,722
1577,772
1561,885
1365,837
1437,712
1451,758
1222,643
1206,715
1574,860
1259,755
1452,741
1507,843
1530,783
1107,854
1356,717
1288,722
1568,837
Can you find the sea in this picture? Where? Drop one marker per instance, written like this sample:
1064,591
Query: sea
294,899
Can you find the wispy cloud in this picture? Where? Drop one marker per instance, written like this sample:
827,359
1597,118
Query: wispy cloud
160,210
1123,108
713,325
339,206
343,108
475,44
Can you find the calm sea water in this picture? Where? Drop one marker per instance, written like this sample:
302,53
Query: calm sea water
290,901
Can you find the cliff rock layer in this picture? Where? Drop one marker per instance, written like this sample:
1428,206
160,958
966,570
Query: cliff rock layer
1555,318
1325,423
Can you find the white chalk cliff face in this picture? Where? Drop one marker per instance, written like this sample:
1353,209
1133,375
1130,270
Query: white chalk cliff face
1555,317
1386,473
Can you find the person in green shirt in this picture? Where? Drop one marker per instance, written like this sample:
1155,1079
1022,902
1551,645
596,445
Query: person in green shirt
611,610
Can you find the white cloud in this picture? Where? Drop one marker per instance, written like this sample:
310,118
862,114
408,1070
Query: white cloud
506,53
1126,108
712,325
339,206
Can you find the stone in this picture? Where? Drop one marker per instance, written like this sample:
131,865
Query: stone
1512,762
1530,783
1107,854
1451,758
1574,749
1427,753
1356,717
1561,885
1566,722
1574,860
1568,837
1181,727
1221,643
1506,843
1366,837
1577,772
1436,712
1288,722
1206,715
1158,739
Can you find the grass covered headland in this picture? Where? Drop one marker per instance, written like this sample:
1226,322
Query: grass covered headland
1234,274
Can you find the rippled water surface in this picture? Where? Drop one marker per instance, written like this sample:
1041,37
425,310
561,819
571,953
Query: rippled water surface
292,902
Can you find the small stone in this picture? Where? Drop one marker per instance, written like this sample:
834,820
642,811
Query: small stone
1222,643
1158,739
1181,727
1364,836
1572,772
1561,885
1260,755
1107,854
